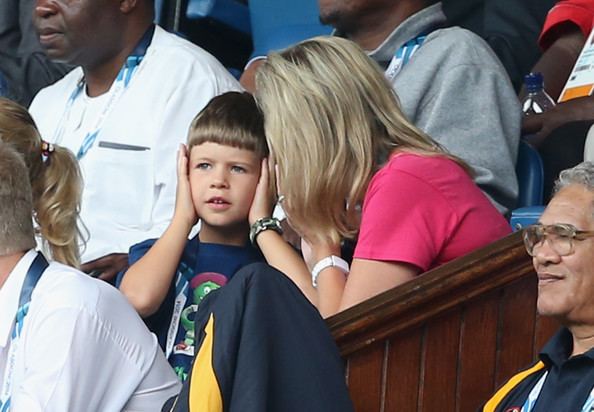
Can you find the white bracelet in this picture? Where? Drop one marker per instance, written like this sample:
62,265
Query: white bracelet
329,261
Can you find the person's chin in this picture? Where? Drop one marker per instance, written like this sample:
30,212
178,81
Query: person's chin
549,304
216,221
328,19
330,15
57,53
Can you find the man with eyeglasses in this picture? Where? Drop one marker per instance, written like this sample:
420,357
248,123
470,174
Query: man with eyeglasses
562,250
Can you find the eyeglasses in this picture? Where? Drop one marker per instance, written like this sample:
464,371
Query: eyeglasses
560,236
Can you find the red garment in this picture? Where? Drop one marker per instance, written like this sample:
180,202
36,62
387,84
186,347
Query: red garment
579,12
425,211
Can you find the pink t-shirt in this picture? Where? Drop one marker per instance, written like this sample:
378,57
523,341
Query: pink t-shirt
425,211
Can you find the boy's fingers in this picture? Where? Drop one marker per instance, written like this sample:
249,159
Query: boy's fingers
180,156
182,160
264,172
277,178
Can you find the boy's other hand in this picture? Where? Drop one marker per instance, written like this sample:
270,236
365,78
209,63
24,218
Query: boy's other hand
263,202
184,207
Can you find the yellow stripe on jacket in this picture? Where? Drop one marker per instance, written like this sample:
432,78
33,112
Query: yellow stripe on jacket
205,394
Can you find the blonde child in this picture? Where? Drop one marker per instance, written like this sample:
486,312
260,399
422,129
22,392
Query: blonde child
217,179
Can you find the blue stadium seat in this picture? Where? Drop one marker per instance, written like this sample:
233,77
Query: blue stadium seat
529,169
277,24
221,27
530,172
525,216
230,13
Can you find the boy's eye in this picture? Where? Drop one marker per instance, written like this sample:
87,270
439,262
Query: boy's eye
203,166
238,169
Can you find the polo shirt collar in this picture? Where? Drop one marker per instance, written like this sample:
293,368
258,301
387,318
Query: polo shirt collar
559,348
10,293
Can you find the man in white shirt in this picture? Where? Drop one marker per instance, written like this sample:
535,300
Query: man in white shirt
67,342
123,112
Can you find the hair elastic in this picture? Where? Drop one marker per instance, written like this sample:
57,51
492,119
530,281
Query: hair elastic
46,150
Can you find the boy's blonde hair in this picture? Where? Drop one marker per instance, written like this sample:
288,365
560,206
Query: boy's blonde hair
56,183
331,120
231,119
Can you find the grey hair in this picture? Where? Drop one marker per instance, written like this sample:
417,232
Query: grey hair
582,174
16,203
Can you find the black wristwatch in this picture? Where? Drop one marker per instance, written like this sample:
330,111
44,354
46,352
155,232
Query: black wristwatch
262,224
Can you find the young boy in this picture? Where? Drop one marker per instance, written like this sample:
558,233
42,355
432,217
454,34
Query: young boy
217,179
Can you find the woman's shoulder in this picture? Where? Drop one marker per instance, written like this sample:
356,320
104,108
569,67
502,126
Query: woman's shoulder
435,175
424,167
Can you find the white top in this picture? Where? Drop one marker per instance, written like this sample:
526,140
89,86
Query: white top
129,195
82,348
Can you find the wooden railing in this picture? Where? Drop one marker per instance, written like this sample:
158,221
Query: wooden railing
446,340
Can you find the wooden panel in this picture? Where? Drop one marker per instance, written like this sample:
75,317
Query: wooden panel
445,340
431,294
403,373
478,352
517,323
365,379
545,328
438,383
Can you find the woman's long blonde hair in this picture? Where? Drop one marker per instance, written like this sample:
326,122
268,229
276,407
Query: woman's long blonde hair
331,120
56,183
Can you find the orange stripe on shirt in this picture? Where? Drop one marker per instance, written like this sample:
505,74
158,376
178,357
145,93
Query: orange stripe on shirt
511,384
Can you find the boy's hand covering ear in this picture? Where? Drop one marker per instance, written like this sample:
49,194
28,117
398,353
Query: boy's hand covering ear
263,200
184,206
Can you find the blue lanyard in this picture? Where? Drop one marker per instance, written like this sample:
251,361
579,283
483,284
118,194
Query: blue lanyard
31,278
121,84
403,55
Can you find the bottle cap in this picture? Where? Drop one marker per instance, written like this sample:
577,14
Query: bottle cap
533,82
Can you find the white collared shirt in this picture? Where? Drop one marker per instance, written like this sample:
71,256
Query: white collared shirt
82,348
130,171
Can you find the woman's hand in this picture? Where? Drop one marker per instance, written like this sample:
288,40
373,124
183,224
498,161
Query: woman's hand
184,206
262,203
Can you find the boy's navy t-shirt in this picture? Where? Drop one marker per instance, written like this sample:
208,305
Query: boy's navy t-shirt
203,267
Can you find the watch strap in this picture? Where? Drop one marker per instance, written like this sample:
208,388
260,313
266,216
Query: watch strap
329,261
262,224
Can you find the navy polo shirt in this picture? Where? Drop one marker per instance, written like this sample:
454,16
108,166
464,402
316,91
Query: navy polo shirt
567,385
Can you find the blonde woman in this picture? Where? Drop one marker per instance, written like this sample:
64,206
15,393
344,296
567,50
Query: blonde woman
350,165
55,180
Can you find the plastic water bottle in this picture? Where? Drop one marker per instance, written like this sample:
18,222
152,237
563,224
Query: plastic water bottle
537,100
